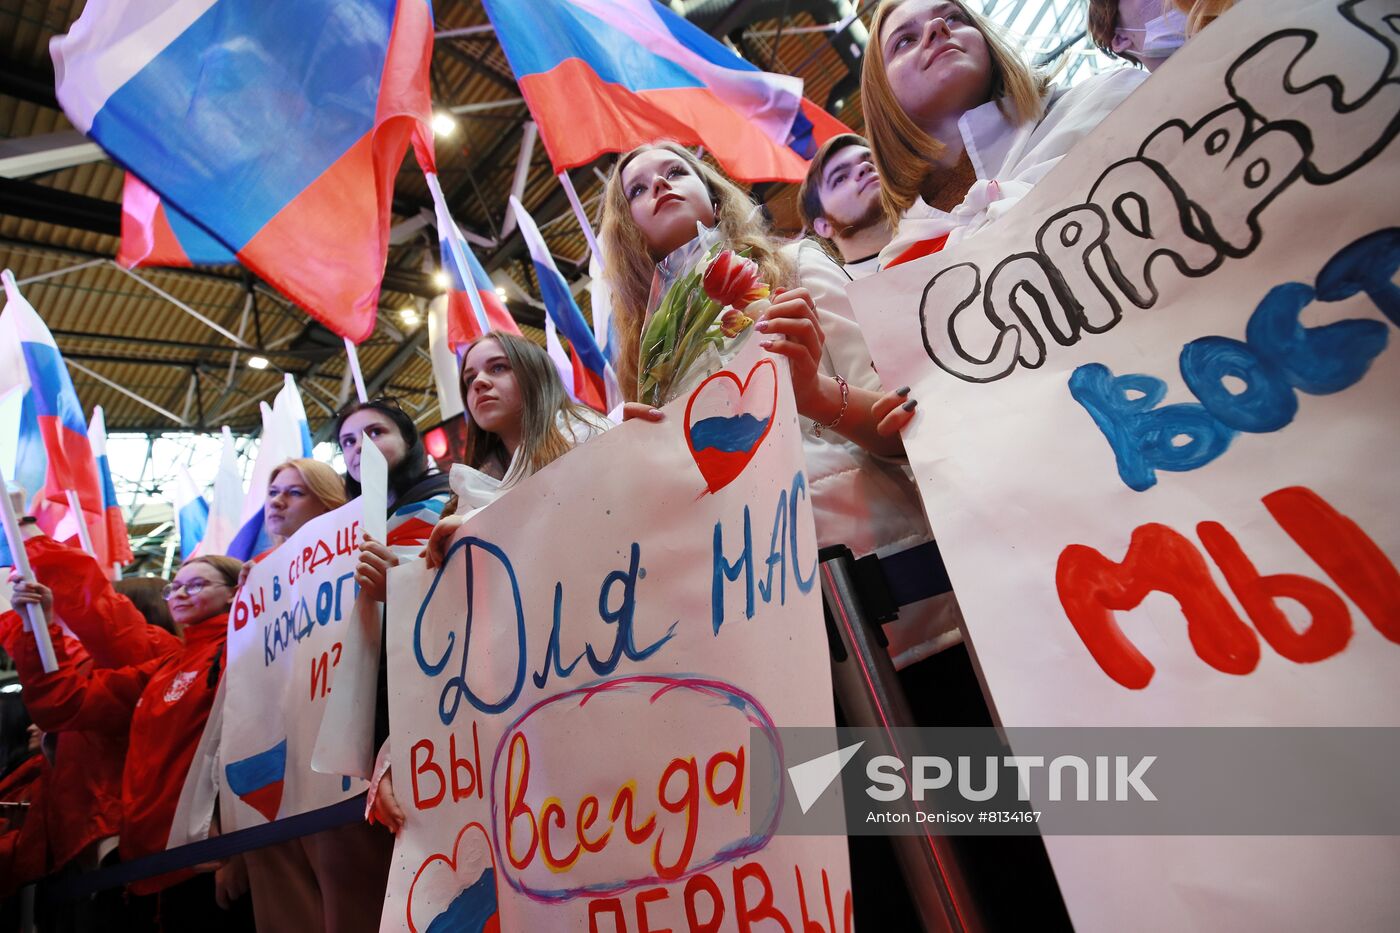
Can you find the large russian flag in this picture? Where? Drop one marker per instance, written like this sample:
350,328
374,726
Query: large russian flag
53,455
118,543
607,75
589,366
473,307
156,234
277,128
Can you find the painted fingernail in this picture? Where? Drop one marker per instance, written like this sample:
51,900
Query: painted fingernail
766,344
761,326
909,405
656,413
902,392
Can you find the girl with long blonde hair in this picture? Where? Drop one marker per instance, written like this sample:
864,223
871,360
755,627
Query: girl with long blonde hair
960,124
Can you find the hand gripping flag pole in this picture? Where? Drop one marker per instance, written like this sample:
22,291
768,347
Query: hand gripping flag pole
33,616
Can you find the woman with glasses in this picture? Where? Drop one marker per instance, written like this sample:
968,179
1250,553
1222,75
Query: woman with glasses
160,706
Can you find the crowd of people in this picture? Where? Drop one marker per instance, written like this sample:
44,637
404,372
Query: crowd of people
961,126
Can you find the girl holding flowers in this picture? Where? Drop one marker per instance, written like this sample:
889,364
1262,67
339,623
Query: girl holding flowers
862,495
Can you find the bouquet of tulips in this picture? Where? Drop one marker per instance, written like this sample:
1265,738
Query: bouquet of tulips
703,298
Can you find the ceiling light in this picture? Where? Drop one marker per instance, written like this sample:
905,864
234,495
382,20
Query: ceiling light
409,317
444,124
500,293
12,687
440,279
257,362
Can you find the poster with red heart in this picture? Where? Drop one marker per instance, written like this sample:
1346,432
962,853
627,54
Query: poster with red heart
572,694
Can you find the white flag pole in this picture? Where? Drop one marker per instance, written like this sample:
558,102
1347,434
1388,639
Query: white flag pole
355,372
579,212
75,508
34,616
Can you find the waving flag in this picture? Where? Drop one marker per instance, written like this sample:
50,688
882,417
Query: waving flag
277,128
191,512
155,234
473,307
53,455
588,364
226,510
607,75
285,435
117,543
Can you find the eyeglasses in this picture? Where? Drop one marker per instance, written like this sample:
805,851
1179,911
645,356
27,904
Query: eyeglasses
192,588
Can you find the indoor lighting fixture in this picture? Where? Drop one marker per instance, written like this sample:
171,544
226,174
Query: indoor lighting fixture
444,124
409,317
500,293
257,362
440,279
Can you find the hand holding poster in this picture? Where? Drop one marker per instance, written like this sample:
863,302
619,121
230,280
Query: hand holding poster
573,692
1154,398
284,643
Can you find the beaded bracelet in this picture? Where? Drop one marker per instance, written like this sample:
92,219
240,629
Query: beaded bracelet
817,428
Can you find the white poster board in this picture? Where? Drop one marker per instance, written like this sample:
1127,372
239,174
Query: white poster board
572,695
285,640
1157,433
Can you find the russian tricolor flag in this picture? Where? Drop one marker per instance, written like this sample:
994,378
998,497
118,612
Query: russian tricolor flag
588,364
277,128
156,234
53,454
191,512
118,544
285,435
607,75
259,780
473,307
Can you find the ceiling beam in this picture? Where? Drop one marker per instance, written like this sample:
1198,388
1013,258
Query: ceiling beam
48,152
35,85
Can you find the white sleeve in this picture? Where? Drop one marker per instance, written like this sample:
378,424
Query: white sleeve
846,353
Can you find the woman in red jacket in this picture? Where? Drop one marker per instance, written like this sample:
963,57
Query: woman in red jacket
161,704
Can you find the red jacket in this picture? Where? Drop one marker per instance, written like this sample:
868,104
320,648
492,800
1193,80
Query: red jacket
112,630
23,852
84,802
164,703
158,706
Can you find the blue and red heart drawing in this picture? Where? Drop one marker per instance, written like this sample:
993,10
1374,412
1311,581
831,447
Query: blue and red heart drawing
726,420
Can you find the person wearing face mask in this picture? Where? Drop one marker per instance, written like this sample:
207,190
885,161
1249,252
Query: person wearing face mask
519,420
160,706
960,124
1144,32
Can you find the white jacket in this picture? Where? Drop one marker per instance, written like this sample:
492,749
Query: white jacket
1010,159
866,502
476,490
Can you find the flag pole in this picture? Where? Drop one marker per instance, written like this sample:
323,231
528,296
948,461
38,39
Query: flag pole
355,372
577,205
75,507
33,615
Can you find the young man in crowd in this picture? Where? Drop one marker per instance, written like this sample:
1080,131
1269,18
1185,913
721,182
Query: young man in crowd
840,203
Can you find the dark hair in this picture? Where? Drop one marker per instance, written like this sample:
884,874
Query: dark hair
415,462
145,594
809,195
